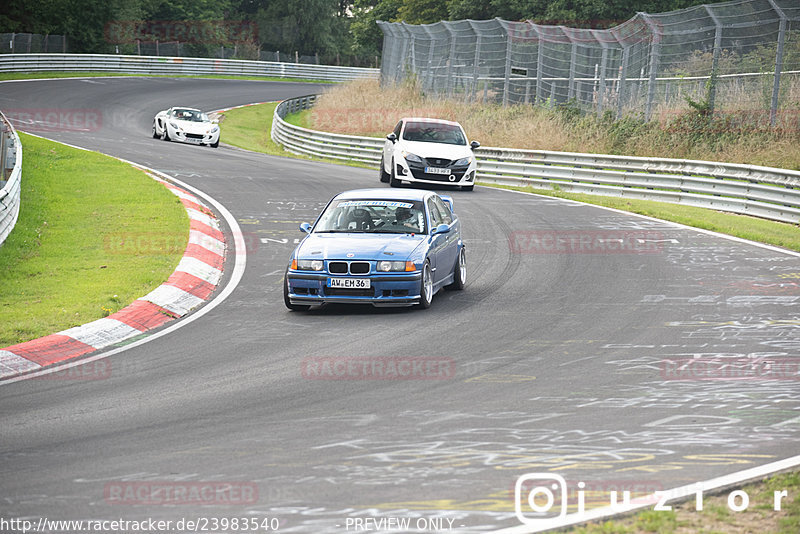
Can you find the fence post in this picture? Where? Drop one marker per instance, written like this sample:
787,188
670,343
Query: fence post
431,73
623,73
539,61
507,80
573,59
776,85
450,81
477,63
655,57
712,81
601,91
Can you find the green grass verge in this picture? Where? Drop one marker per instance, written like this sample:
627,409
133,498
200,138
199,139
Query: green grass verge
249,128
93,235
36,75
761,230
716,516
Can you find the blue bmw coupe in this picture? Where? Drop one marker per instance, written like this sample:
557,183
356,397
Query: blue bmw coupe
384,247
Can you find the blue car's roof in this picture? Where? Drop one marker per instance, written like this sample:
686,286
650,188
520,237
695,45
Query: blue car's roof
384,194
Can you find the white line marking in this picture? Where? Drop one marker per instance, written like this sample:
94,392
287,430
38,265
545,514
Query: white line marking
681,492
240,261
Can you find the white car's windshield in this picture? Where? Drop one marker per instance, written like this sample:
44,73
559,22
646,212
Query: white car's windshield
372,216
189,115
434,132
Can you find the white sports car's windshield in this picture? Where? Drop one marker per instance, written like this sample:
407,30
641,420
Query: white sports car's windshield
373,217
434,132
190,115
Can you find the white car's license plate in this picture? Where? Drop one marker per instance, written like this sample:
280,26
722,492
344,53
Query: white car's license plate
193,140
437,170
349,283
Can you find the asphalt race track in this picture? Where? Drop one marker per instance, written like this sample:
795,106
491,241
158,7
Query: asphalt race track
551,360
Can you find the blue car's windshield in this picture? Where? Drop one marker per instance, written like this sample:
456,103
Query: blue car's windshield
373,217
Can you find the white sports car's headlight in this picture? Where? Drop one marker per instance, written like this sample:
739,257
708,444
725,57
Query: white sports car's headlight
411,157
463,161
309,265
215,129
175,126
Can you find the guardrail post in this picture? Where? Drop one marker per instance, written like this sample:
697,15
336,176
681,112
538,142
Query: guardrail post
623,73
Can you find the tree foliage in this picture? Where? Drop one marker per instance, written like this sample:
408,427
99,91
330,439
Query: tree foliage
325,27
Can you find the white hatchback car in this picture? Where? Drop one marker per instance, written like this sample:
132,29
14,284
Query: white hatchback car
187,125
430,151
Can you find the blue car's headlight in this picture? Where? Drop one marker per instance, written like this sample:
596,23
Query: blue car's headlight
309,265
463,161
389,266
412,157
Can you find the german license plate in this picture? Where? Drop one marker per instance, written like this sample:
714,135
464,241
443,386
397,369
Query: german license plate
437,170
349,283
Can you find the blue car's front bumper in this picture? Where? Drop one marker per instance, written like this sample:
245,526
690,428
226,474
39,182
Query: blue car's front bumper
386,289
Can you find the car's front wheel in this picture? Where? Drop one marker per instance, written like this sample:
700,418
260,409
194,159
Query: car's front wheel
393,181
293,307
165,137
155,133
460,270
215,144
383,174
426,287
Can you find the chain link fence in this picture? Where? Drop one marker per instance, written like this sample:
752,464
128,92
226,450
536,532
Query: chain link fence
741,58
32,43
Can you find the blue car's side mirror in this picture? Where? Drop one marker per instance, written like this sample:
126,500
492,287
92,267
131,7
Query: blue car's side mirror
441,229
305,227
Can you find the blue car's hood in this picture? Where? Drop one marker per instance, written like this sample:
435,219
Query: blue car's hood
362,246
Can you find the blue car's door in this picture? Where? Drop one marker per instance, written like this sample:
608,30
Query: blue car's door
444,247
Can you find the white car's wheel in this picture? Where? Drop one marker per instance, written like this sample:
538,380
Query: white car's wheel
383,174
393,181
155,133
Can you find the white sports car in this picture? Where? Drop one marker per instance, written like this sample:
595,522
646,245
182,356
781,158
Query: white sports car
186,125
430,151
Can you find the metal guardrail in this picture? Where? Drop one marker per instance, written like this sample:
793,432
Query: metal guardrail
765,192
10,177
178,66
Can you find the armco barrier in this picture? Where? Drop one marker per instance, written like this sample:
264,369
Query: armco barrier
11,177
177,66
764,192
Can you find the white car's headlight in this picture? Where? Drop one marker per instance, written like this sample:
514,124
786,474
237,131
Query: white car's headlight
309,265
388,266
463,161
411,157
174,125
215,129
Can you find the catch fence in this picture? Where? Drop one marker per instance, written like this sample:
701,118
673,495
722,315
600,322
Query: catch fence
740,57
